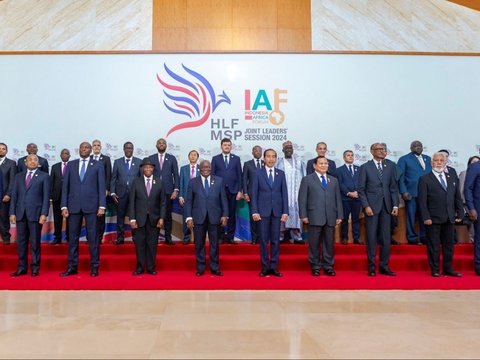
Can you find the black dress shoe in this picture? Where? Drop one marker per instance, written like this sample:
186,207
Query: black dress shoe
451,273
276,273
169,242
118,242
6,242
435,274
94,272
69,272
34,273
216,272
372,273
199,273
55,242
394,242
316,272
254,242
137,272
151,272
299,242
330,272
387,272
185,242
19,273
263,273
231,242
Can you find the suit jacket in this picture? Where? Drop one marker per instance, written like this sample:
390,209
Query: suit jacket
321,206
84,196
121,181
140,205
347,182
185,179
56,181
199,204
232,176
452,172
31,201
107,164
471,190
265,199
249,169
42,164
437,204
169,172
373,190
9,169
332,167
411,172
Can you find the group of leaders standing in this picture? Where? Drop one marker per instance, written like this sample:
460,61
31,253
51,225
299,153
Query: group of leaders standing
283,194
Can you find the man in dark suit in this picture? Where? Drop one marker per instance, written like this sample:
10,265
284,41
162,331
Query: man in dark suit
347,176
146,210
321,150
206,207
83,197
56,183
107,166
8,168
269,204
440,207
379,196
42,162
320,207
166,169
187,172
413,165
249,169
227,166
29,211
125,170
471,192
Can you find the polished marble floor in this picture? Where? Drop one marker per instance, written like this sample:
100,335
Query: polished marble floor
239,324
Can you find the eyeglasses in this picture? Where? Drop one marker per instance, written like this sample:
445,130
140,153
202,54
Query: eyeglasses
379,149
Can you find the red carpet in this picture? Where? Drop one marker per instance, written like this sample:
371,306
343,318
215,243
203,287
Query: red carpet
240,264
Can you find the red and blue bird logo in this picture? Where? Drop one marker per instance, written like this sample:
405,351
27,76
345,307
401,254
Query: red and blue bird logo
190,95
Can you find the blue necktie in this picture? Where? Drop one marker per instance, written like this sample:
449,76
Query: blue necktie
351,169
270,178
82,170
226,161
127,166
207,186
442,182
324,182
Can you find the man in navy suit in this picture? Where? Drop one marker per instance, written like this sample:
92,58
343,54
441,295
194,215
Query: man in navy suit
56,185
206,208
249,169
320,207
8,168
29,210
321,150
42,162
83,197
269,204
227,166
107,165
471,192
413,165
347,176
125,170
187,172
146,209
440,208
166,169
379,196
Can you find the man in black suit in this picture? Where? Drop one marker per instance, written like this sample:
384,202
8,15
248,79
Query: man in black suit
321,150
125,170
56,184
42,162
146,210
440,208
8,168
29,211
249,169
107,165
320,207
379,196
206,207
166,169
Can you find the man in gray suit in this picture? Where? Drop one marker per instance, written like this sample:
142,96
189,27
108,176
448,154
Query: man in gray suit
320,206
377,187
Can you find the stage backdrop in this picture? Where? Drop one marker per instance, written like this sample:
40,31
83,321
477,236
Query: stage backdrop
194,100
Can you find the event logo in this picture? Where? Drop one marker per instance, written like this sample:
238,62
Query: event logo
190,95
262,112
